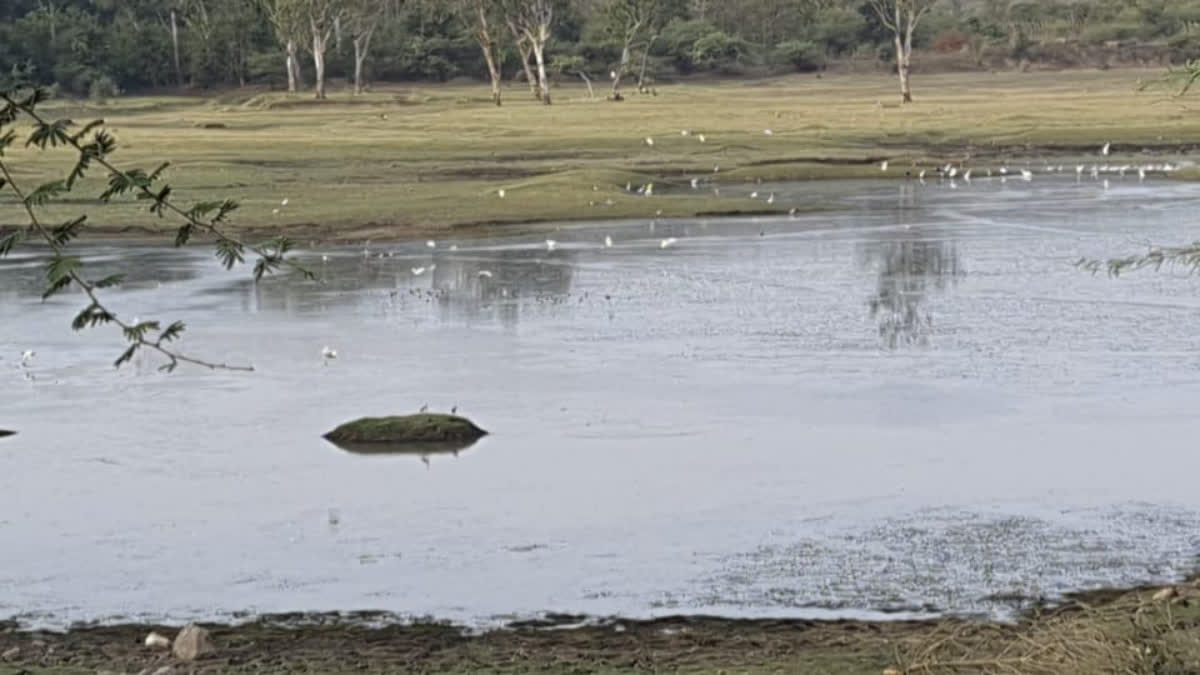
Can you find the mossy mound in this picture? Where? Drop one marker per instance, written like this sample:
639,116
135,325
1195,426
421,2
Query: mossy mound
408,429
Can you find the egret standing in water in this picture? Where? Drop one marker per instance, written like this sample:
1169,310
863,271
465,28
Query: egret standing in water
669,241
1104,150
607,241
551,244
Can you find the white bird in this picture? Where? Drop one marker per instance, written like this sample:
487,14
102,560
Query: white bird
328,353
771,199
550,244
284,202
649,141
717,169
667,242
1141,173
967,176
1004,171
754,195
1078,169
1026,174
701,138
921,176
500,193
685,132
27,356
431,244
953,171
607,241
1105,149
792,211
418,271
629,187
649,189
324,258
768,132
485,274
883,165
454,247
274,212
695,183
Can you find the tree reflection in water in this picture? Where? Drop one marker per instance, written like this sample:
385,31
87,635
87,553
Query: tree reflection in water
908,269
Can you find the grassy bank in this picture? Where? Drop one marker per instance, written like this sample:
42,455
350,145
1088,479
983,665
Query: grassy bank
411,161
1145,631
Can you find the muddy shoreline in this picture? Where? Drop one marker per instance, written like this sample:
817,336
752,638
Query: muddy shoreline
377,642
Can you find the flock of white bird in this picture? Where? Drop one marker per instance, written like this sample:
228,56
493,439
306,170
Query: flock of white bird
950,171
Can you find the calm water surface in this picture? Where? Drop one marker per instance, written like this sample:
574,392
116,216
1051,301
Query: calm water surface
914,403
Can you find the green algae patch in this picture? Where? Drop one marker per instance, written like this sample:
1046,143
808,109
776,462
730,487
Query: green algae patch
423,428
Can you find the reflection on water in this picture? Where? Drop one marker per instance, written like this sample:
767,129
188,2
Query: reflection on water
424,450
908,268
468,285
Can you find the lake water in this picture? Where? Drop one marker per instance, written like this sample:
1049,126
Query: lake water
913,403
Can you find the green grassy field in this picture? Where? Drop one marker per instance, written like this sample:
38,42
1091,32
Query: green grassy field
413,161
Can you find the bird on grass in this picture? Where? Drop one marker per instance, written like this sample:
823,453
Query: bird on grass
500,193
883,165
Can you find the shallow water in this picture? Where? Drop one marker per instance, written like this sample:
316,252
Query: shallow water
915,403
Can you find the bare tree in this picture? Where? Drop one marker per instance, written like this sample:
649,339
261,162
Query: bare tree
901,17
363,17
626,21
322,17
532,20
481,19
288,21
525,52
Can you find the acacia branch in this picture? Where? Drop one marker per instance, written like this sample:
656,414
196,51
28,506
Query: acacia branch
158,198
89,288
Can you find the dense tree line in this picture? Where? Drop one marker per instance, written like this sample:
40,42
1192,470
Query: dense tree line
100,47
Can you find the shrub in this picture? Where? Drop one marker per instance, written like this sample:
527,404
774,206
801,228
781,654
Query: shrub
103,88
802,55
950,41
719,51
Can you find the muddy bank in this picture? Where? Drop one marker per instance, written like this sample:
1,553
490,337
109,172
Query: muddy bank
1146,629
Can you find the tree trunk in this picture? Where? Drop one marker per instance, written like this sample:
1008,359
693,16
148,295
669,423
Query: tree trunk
319,64
902,69
616,89
360,55
539,53
293,67
362,44
525,52
641,84
493,70
175,48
